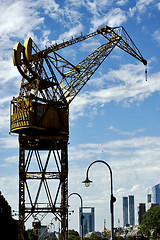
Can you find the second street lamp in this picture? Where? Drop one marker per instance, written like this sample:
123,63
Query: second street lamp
81,220
112,198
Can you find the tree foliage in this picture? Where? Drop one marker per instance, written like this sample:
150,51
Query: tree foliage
150,225
94,237
30,235
118,238
73,235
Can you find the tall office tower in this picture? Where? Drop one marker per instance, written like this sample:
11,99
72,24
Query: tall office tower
125,211
141,208
153,195
131,210
88,221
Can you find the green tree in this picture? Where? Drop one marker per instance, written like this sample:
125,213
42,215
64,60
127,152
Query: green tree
86,238
30,235
51,238
130,238
94,236
73,235
118,238
150,225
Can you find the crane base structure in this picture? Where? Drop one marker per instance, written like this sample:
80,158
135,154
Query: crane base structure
30,149
43,139
40,116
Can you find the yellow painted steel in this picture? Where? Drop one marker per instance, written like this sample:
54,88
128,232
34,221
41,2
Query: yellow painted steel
28,48
18,48
20,119
30,114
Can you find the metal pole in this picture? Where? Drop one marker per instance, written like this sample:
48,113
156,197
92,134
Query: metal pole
81,222
112,199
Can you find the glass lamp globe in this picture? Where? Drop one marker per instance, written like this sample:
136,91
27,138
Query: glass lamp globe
87,182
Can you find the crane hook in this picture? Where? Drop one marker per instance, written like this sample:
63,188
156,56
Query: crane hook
146,72
145,63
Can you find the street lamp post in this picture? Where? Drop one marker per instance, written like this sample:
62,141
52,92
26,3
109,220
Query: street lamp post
112,198
81,212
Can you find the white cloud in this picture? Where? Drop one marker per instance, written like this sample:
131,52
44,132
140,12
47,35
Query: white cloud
67,13
140,8
75,3
44,41
112,128
51,8
13,26
128,84
98,7
6,66
9,142
142,4
156,35
113,18
132,154
145,148
4,120
73,32
12,159
9,162
89,45
121,2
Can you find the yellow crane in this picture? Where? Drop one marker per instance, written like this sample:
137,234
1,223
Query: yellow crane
40,115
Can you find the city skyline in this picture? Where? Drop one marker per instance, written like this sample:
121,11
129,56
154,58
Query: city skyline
116,115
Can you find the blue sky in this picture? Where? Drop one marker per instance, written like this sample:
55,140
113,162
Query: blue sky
116,115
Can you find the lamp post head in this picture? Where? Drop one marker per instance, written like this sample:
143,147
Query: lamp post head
87,182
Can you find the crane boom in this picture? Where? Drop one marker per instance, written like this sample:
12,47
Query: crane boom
115,37
76,80
126,43
37,66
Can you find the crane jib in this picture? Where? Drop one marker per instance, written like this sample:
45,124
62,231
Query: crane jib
43,65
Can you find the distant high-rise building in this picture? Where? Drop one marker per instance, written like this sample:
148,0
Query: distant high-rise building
128,211
153,195
140,212
131,210
88,221
125,211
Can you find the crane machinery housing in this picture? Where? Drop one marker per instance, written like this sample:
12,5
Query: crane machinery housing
40,116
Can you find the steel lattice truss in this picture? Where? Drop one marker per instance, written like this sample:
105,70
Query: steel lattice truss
43,154
43,175
38,67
